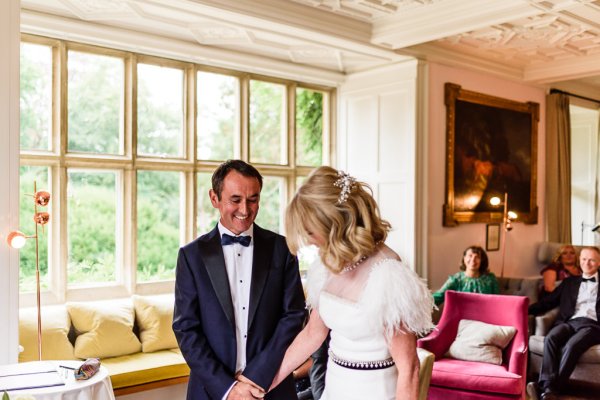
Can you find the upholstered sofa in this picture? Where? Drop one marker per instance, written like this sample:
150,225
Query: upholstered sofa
132,337
528,287
587,372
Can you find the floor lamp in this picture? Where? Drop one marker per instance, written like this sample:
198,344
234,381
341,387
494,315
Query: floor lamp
18,239
507,218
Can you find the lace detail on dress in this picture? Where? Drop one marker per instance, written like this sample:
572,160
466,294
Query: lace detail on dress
396,298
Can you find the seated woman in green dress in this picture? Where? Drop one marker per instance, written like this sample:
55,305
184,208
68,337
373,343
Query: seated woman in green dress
474,276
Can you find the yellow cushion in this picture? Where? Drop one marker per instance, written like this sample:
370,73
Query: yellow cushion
140,368
55,328
104,328
154,315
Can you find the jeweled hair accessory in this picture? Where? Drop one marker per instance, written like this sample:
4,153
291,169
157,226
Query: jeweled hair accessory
346,183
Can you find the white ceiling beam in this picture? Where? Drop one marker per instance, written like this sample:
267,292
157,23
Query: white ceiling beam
128,40
446,18
287,14
442,55
289,19
562,70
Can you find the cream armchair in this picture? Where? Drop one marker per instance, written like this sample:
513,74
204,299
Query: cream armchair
426,360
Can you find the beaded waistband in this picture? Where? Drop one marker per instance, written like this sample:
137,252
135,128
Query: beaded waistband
362,365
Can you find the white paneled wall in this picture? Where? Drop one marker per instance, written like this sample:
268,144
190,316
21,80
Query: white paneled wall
9,177
377,144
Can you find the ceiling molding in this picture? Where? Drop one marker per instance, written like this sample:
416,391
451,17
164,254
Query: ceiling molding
92,10
260,27
561,70
118,38
298,21
442,55
445,18
531,41
367,10
292,19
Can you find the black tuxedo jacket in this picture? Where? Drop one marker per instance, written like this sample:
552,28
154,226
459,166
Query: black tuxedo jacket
564,297
204,323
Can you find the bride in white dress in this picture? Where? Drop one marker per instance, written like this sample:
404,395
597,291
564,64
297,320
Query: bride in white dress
373,304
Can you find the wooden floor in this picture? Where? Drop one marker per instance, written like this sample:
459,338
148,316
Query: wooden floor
580,393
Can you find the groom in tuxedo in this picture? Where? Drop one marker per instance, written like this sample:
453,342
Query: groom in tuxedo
238,297
576,329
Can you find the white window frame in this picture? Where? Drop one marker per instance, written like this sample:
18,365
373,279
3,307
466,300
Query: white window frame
59,160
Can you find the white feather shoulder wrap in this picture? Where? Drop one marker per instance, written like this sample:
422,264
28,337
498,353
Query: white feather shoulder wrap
396,298
315,280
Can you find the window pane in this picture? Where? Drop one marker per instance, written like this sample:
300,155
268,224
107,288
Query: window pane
26,225
158,224
300,181
272,199
309,127
268,137
92,222
96,90
218,116
306,257
208,216
160,111
36,96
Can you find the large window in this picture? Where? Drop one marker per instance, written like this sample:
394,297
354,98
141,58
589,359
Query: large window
585,170
126,143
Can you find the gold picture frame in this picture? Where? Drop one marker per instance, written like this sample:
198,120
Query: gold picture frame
491,148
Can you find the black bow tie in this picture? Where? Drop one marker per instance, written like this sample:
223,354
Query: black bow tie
228,239
592,279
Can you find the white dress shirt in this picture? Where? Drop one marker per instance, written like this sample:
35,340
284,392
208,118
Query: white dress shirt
238,263
586,299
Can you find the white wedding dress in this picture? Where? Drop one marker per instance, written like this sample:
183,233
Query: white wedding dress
362,308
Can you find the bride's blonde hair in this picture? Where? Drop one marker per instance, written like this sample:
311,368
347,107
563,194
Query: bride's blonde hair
350,225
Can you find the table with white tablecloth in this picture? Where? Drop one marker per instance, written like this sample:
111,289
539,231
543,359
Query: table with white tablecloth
57,381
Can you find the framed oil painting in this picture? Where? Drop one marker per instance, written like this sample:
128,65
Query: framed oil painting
491,149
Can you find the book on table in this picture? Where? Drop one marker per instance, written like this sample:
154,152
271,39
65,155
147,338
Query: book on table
29,376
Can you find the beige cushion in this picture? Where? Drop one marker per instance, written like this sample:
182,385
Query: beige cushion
55,328
479,341
104,328
154,315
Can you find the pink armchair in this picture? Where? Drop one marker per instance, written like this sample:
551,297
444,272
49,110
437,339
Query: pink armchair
466,380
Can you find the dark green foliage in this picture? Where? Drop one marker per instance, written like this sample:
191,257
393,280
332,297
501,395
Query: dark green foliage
309,127
158,224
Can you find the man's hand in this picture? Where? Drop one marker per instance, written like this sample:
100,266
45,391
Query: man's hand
245,391
257,391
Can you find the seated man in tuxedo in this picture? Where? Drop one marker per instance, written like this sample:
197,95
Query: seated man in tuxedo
576,329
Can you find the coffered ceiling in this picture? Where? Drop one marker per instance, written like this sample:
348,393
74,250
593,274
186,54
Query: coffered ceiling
535,41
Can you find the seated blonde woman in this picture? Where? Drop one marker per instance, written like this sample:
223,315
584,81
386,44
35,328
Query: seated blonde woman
564,264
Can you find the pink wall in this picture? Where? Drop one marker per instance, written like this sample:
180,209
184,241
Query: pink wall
446,244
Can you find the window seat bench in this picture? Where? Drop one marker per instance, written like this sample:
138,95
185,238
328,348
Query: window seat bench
132,337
